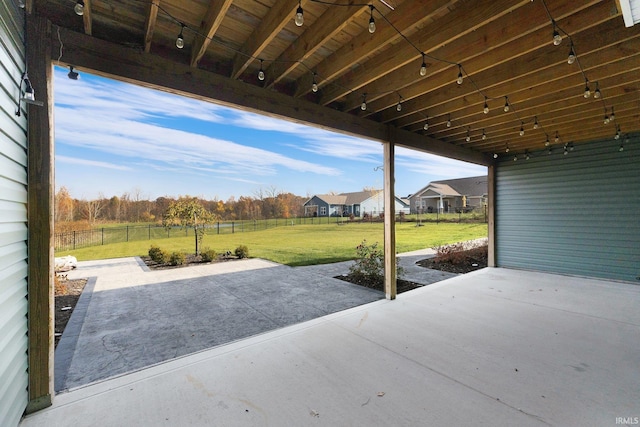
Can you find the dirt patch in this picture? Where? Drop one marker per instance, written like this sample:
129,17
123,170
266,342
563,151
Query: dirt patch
67,294
402,285
460,262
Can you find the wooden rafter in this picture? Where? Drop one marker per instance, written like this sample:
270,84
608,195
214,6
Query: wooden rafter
314,37
150,24
87,20
208,27
271,25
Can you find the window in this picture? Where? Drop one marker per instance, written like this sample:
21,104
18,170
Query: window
323,210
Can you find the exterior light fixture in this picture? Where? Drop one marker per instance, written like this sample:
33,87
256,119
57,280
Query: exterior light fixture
506,104
535,123
372,22
180,39
79,8
572,55
363,106
261,72
299,19
597,94
522,129
314,85
557,38
423,67
460,78
587,91
486,106
72,74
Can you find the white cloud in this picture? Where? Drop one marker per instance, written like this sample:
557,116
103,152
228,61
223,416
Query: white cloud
92,163
436,167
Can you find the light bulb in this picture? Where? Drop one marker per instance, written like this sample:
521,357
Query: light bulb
399,107
261,75
557,39
506,106
621,148
572,56
547,142
448,123
597,94
426,126
372,24
460,78
495,155
314,87
527,156
515,158
615,137
484,135
522,130
299,20
606,120
423,69
506,150
613,115
79,8
468,138
486,107
535,123
180,39
565,151
557,138
587,92
549,151
363,106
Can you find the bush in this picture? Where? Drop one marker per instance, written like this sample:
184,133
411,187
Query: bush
242,251
369,265
157,255
177,258
458,253
208,255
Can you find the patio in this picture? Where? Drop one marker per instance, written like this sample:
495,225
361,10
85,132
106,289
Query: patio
494,347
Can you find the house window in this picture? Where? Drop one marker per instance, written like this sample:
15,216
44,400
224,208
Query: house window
323,210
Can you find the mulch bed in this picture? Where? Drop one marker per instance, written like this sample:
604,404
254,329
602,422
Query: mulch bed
67,294
463,262
189,260
402,285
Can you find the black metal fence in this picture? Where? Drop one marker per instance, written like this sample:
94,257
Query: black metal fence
71,240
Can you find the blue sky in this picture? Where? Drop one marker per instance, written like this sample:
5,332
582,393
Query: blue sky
113,137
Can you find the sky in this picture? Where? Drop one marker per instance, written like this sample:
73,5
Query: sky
113,138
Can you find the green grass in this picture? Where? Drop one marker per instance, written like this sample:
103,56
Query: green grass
301,244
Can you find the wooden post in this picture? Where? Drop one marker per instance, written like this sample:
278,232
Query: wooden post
491,202
40,195
390,273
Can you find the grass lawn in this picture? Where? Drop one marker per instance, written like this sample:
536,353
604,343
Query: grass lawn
300,244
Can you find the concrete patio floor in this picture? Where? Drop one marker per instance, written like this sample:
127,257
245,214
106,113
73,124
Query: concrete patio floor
495,347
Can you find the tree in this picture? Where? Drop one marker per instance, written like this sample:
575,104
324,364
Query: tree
188,212
64,206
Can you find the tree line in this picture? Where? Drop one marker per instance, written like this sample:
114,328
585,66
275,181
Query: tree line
135,207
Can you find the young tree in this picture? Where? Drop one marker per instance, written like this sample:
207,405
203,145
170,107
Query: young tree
188,212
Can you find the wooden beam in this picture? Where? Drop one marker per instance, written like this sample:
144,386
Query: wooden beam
150,24
277,17
323,29
408,15
210,24
491,214
40,193
86,18
152,71
390,269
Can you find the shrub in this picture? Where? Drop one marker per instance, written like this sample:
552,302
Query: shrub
458,253
208,255
157,255
242,251
369,265
176,258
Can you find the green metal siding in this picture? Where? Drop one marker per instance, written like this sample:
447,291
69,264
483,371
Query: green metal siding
577,213
13,221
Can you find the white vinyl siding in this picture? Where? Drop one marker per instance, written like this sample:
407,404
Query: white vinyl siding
576,214
13,220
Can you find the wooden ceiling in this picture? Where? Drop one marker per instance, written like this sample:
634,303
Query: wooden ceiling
503,47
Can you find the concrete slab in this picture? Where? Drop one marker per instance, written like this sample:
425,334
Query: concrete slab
495,347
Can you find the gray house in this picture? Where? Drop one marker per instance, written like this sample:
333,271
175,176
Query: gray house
344,204
452,195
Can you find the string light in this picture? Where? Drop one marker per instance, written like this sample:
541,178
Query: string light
526,155
515,158
547,142
597,94
486,106
468,138
299,19
572,55
423,67
363,106
549,151
484,135
426,124
607,120
495,155
372,22
617,133
314,85
506,150
460,78
557,138
261,72
557,38
621,148
506,104
565,152
79,8
587,91
522,129
399,106
535,123
180,39
449,121
613,115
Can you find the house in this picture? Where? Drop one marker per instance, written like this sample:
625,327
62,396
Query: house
369,202
563,185
452,195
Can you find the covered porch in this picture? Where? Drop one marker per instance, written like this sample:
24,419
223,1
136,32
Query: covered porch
494,347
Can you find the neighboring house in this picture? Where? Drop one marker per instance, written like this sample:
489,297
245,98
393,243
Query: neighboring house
452,195
370,202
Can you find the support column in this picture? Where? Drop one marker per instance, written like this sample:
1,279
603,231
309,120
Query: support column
390,273
491,214
40,196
